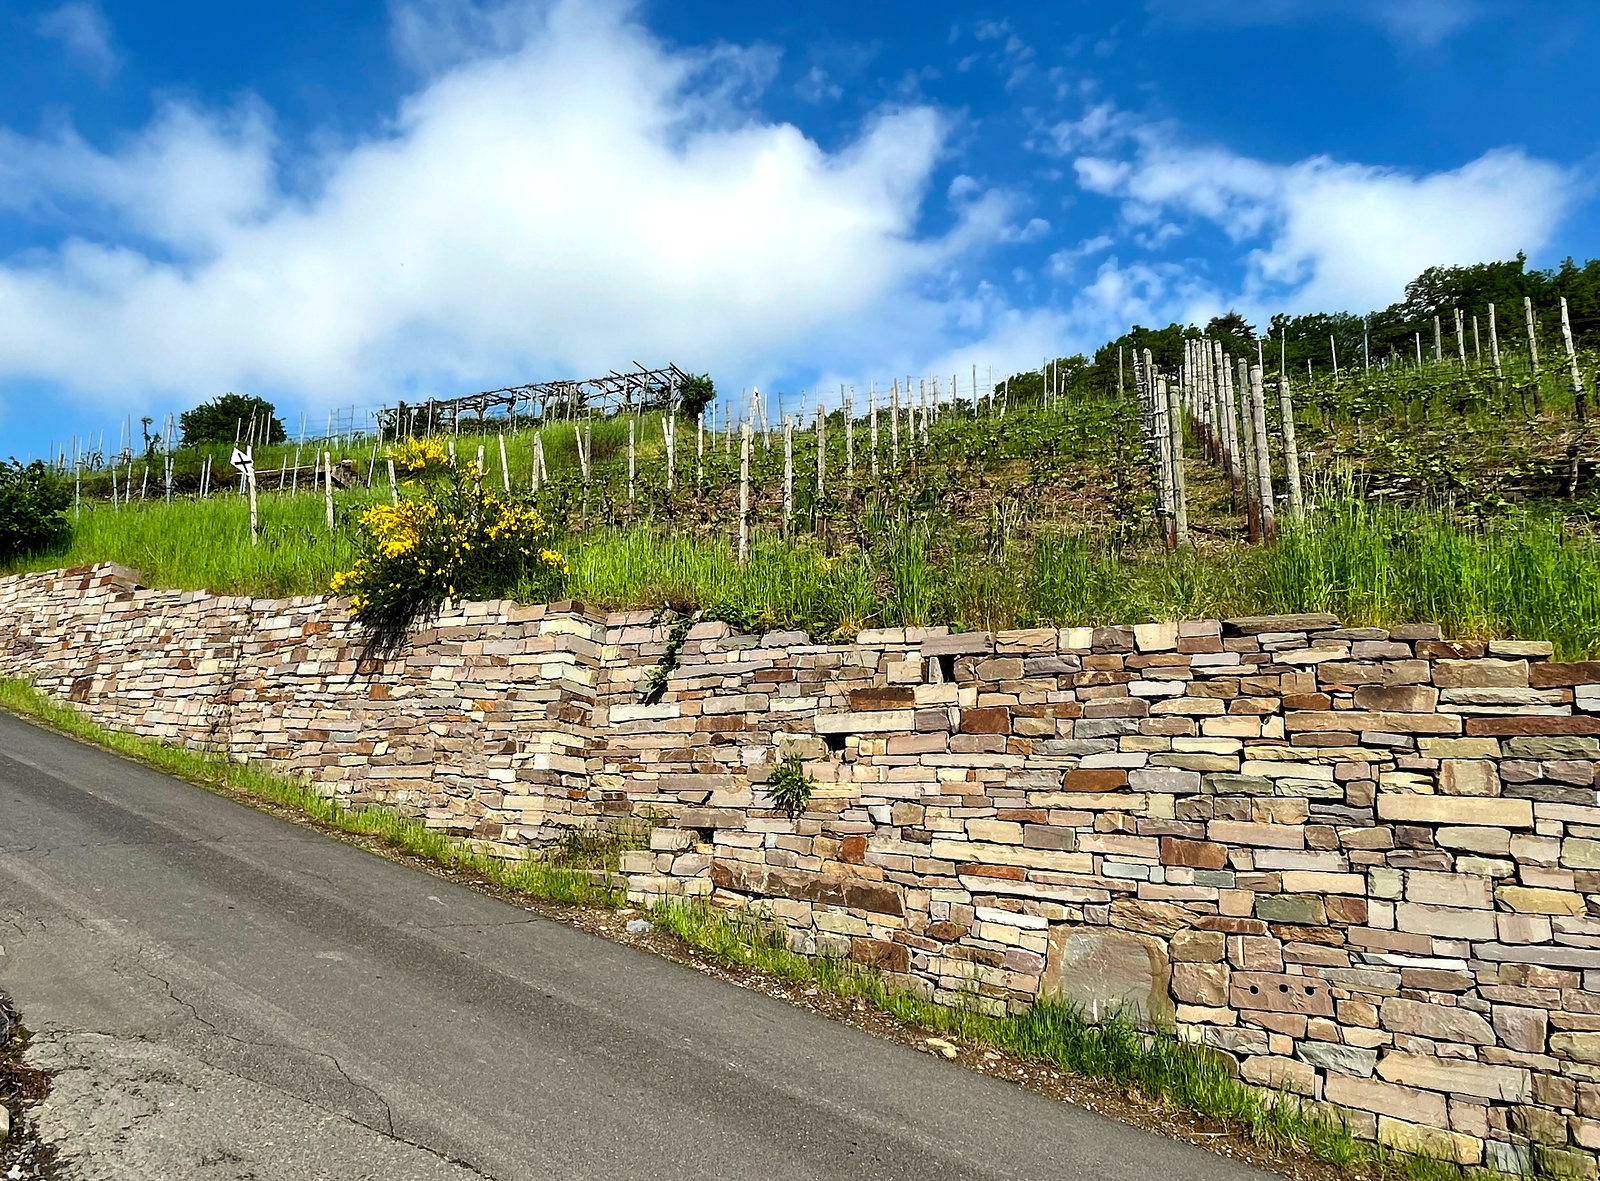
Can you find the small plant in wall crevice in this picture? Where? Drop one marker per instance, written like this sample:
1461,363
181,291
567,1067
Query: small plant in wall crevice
790,785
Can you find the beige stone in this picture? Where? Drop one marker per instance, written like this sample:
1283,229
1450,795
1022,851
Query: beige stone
1455,810
1510,1084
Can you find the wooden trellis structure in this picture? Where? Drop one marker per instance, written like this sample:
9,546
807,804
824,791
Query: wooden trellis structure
615,392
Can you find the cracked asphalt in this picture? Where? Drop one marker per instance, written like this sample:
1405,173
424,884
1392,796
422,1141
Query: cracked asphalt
222,995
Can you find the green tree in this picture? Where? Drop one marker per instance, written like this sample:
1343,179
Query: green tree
230,417
695,394
33,504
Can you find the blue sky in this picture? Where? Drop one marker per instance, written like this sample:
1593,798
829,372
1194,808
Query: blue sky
347,204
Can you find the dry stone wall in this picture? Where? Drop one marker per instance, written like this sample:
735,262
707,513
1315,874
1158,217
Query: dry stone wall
1364,864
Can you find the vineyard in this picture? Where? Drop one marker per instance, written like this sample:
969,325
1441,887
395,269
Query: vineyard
1176,473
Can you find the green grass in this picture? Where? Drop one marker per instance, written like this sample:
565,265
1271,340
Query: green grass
575,874
1531,575
1156,1066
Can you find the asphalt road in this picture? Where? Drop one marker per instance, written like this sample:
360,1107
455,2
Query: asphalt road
225,996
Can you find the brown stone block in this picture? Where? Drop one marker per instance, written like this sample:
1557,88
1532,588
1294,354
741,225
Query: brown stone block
992,720
1195,854
880,697
1095,779
881,954
1556,676
1397,698
1278,993
1523,726
1311,701
1451,649
853,850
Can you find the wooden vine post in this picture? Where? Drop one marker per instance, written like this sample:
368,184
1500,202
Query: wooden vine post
1494,344
872,412
394,488
1180,507
1239,375
700,452
894,426
1258,412
1578,398
632,455
1461,340
1217,361
744,493
505,469
1291,452
582,438
669,436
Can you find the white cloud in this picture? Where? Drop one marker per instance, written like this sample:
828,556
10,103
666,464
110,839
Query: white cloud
85,33
562,194
1425,23
1320,233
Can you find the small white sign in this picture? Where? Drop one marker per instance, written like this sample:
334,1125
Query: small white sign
242,461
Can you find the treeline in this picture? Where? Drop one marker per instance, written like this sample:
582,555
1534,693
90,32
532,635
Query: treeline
1388,336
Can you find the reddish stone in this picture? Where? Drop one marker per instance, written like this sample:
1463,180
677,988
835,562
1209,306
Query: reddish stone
1316,701
946,932
1555,676
994,720
853,850
1005,873
1523,726
881,954
1194,854
1344,909
1096,779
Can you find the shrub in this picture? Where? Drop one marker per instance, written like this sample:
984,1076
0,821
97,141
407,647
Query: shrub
790,785
33,503
225,419
444,538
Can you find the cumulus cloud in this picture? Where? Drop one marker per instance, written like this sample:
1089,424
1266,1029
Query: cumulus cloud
561,194
1319,233
85,33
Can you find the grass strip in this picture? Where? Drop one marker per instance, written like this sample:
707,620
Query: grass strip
1156,1066
568,876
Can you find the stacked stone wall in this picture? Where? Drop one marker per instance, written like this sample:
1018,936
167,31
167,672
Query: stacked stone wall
1362,863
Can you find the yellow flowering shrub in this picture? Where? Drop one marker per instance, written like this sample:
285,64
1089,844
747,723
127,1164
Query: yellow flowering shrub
446,538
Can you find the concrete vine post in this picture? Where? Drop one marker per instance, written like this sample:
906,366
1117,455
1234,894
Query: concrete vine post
1461,340
1180,506
822,454
394,487
250,480
505,468
327,486
632,456
849,440
1494,344
744,493
1291,451
1578,398
1258,413
581,438
1477,344
669,436
1438,342
788,474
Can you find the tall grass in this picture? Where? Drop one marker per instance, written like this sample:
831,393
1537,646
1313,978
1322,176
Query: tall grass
1527,575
